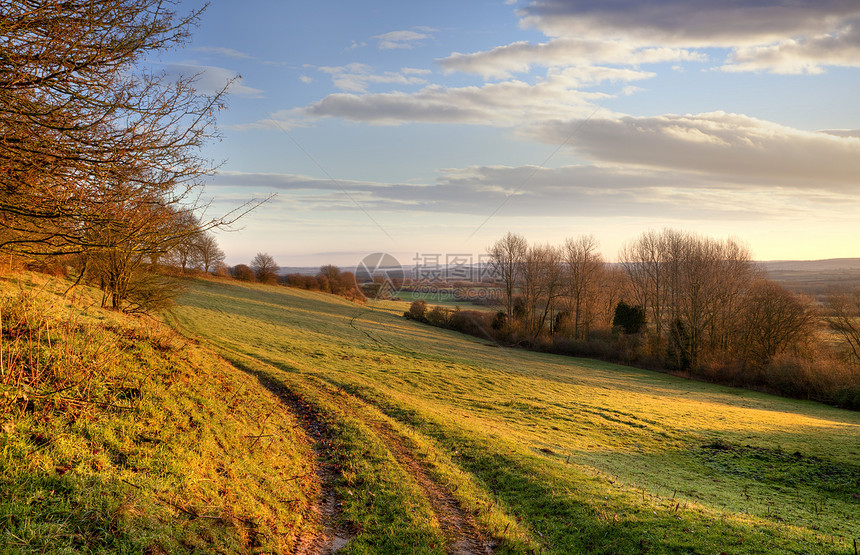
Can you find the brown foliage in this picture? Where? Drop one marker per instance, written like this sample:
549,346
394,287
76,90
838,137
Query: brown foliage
265,268
242,272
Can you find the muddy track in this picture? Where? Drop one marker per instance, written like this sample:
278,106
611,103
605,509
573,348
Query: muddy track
459,527
326,509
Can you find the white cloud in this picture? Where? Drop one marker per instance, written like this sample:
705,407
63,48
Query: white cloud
305,79
509,103
530,191
806,55
520,57
732,147
801,36
210,79
688,22
356,77
400,39
280,120
229,52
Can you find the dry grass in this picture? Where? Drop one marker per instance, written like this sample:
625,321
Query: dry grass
119,435
585,456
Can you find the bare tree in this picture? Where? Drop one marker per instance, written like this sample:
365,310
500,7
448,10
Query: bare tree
613,287
130,238
583,269
691,287
642,260
775,319
79,115
541,285
183,250
330,275
265,268
843,315
507,256
211,255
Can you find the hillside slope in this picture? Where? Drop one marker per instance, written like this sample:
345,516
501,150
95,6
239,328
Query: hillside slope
117,435
432,441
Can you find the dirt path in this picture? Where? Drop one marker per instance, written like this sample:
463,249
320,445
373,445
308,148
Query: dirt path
327,507
460,529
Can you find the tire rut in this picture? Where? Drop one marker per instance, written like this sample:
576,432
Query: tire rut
461,531
326,509
459,527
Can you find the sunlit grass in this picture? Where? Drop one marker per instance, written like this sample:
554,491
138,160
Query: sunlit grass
593,457
125,437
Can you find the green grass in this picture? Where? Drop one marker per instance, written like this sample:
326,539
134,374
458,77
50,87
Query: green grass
120,436
553,453
441,298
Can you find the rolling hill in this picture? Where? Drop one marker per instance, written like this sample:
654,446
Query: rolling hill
430,441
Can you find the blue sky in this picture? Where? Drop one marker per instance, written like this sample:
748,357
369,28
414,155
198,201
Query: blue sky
411,127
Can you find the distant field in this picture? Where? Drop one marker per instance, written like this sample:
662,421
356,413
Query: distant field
439,439
441,298
815,278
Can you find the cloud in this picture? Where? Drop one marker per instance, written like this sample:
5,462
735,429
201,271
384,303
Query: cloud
280,120
508,103
228,52
305,79
520,57
211,79
732,147
356,77
415,71
801,36
843,132
688,22
400,39
799,56
530,191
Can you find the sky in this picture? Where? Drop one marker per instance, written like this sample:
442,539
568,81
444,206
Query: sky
433,128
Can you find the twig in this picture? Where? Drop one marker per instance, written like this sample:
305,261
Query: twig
189,512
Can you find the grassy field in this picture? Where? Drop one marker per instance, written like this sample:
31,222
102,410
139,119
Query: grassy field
435,441
443,298
117,435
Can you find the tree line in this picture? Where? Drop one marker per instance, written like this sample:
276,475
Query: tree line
329,278
100,156
674,301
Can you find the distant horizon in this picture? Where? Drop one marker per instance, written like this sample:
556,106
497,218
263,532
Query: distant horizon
351,266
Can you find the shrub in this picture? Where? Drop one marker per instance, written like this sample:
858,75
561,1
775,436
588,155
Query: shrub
438,317
242,272
630,319
471,322
417,310
500,321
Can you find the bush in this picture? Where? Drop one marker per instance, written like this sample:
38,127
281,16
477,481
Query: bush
500,321
631,319
417,311
242,272
471,322
438,317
